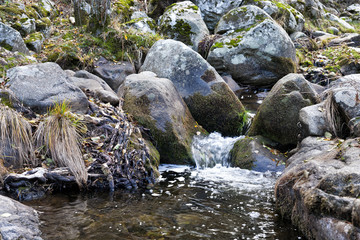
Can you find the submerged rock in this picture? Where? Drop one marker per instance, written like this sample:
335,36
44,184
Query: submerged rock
40,86
211,102
254,49
182,21
278,116
319,189
18,221
155,104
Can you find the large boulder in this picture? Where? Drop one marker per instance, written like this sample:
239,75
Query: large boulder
18,221
41,86
183,22
254,49
155,104
113,73
11,39
211,102
278,116
288,17
213,10
319,189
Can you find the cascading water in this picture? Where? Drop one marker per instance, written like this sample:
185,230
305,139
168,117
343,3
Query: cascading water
212,150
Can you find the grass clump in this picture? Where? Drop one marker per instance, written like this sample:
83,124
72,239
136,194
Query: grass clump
16,140
59,136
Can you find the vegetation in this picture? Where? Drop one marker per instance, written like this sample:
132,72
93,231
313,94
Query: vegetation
58,137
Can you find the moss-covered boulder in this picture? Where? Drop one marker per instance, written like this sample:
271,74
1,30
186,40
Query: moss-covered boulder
278,116
288,17
141,22
183,22
35,41
155,104
254,49
43,25
213,10
252,153
11,39
211,102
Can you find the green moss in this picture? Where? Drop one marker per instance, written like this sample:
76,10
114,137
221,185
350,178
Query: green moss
225,118
181,31
241,154
171,149
34,37
122,7
5,45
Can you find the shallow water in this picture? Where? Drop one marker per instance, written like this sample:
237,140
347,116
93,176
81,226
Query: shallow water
211,201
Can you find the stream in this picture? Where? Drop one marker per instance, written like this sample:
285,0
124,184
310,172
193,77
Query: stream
211,201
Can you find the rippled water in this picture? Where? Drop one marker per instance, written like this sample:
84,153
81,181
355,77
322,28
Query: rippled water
211,201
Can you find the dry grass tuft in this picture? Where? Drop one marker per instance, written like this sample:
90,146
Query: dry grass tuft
58,136
333,115
16,140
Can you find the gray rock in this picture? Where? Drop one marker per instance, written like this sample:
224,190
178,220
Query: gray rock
333,30
49,7
213,10
183,22
27,25
258,55
296,35
313,120
43,25
231,83
35,41
250,153
319,189
318,33
340,21
18,221
42,85
11,39
211,102
350,39
140,21
155,104
354,8
113,73
278,116
87,81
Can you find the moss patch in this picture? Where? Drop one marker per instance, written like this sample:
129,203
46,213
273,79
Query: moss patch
225,117
241,154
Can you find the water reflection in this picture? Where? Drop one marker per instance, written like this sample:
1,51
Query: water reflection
217,203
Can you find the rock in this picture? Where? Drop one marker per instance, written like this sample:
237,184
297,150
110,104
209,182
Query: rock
278,116
47,8
333,30
40,86
213,10
113,73
82,11
26,25
211,102
350,39
340,21
313,9
43,25
18,221
231,83
259,55
313,120
155,104
317,34
35,41
286,16
251,153
183,22
296,35
72,20
140,21
319,189
90,82
11,39
354,8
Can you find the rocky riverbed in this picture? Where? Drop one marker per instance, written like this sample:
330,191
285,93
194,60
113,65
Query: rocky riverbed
94,96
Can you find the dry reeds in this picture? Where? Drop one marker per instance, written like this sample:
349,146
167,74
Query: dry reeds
333,115
16,140
59,136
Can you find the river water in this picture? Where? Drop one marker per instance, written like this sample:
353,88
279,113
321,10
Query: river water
212,201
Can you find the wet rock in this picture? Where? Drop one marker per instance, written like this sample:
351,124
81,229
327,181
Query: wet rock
319,188
278,116
113,73
155,104
211,102
213,10
313,120
251,153
40,86
18,221
183,22
11,39
255,51
90,82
